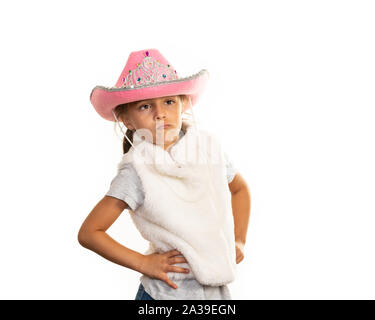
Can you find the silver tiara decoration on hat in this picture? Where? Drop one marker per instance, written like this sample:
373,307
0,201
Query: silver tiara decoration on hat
148,71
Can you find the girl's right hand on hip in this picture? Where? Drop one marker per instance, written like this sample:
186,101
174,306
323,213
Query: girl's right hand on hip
156,265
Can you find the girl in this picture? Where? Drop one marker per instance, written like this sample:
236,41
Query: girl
177,183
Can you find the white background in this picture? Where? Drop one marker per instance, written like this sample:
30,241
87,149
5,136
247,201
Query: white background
291,95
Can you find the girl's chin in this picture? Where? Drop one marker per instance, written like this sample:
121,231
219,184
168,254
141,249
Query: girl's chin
169,137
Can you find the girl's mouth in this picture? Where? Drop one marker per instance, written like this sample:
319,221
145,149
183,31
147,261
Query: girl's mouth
164,126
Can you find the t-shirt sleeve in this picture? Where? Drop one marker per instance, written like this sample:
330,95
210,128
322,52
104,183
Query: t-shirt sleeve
127,186
231,170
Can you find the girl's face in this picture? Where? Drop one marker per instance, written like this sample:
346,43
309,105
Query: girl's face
161,118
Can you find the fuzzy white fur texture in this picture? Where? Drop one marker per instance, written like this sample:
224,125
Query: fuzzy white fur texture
187,204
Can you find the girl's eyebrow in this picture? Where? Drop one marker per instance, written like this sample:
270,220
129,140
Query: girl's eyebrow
144,101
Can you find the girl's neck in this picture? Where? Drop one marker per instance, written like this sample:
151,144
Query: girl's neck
167,146
183,129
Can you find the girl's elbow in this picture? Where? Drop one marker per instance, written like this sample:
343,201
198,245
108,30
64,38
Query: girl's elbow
83,237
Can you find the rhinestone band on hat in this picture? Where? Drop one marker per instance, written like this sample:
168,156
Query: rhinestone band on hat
148,71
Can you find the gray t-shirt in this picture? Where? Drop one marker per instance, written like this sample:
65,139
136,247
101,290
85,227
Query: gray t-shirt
127,186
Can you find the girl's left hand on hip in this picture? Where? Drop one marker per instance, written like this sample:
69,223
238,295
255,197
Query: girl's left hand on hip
239,251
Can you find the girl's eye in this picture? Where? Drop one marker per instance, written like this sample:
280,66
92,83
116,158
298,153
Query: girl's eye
145,105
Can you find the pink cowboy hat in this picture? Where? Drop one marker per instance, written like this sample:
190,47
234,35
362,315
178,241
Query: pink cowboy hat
147,75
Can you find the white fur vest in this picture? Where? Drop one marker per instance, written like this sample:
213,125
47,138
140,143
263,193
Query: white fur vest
182,210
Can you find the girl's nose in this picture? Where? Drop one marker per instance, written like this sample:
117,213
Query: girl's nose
159,112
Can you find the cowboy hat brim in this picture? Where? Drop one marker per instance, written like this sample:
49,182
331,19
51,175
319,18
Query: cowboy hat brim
105,99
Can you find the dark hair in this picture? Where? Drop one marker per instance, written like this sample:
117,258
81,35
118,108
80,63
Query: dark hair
120,110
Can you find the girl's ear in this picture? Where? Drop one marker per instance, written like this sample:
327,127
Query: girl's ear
127,123
129,126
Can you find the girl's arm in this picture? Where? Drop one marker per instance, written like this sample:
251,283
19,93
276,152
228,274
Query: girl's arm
92,234
241,204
